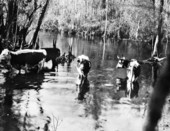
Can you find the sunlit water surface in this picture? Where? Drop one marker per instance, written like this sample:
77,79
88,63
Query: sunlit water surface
38,102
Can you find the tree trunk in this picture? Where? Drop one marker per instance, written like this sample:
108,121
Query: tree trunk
1,21
157,42
103,4
159,29
106,10
158,99
137,31
33,42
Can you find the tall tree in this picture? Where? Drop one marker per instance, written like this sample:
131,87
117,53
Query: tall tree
16,20
157,43
159,35
33,42
106,19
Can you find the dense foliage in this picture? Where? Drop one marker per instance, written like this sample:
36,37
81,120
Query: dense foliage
17,19
135,19
130,19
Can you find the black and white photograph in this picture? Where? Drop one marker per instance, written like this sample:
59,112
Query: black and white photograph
84,65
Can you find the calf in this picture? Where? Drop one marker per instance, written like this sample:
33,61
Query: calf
25,57
133,70
83,68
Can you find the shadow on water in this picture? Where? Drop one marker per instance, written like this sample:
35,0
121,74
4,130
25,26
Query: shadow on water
26,101
24,81
15,91
103,94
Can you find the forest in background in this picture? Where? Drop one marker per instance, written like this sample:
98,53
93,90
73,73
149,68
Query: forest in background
120,19
130,19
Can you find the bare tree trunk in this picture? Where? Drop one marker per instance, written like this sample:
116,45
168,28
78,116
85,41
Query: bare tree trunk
1,21
155,47
137,31
106,10
11,19
33,42
158,99
159,30
104,49
157,42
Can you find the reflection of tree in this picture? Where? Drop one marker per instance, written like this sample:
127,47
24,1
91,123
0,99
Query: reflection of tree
11,104
9,120
104,48
24,81
69,56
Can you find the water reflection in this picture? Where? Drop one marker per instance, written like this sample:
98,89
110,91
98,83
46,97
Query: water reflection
14,95
29,102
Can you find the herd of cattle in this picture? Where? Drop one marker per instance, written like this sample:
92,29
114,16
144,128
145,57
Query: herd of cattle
49,58
128,80
46,59
159,95
30,59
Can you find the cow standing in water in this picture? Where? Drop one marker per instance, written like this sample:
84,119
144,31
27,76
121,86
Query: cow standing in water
133,70
23,58
52,55
83,68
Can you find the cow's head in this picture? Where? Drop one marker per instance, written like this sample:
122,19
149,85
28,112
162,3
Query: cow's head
133,70
5,58
122,62
83,65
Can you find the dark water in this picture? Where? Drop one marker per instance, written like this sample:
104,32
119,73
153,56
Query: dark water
32,102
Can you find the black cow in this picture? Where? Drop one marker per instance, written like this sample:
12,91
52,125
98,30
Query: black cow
83,68
133,70
22,58
52,54
61,59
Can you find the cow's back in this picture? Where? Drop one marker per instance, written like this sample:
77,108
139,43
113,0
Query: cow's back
52,53
31,57
34,58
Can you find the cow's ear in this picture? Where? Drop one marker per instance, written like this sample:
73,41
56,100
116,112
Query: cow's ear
123,58
118,57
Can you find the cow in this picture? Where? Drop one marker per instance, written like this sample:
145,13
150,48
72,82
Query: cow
83,68
69,57
52,54
133,70
22,58
61,59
